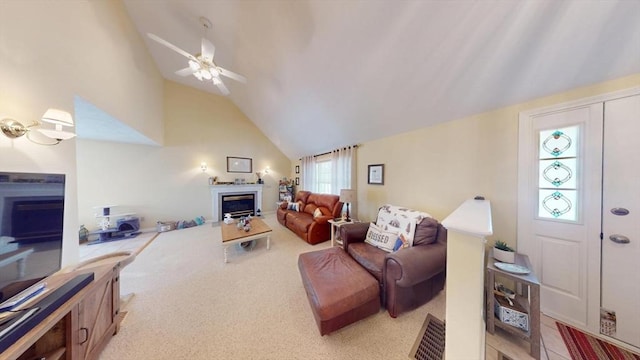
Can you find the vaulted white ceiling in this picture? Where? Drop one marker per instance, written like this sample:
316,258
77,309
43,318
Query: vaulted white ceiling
325,74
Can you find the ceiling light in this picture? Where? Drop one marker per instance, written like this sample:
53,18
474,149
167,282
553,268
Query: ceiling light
214,72
205,74
194,65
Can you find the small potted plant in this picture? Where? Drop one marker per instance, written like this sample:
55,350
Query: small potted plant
503,253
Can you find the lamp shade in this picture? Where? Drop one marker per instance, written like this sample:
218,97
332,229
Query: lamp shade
58,117
347,195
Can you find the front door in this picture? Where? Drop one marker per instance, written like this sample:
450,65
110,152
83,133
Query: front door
559,206
621,221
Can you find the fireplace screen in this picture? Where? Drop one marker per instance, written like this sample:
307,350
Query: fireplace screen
238,205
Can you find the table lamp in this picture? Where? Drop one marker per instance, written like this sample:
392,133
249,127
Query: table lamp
347,196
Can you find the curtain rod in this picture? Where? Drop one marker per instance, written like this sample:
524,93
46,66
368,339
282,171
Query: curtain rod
329,152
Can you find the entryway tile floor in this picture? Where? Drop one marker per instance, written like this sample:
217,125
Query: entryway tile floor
552,346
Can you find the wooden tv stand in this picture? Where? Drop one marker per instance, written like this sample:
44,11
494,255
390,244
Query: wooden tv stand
82,326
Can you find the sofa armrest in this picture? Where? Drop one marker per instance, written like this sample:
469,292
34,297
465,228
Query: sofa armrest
322,219
353,233
413,265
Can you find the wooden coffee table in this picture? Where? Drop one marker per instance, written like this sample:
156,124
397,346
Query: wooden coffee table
232,235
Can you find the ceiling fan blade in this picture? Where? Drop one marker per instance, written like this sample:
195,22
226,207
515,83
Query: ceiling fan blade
232,75
172,47
222,87
208,50
185,72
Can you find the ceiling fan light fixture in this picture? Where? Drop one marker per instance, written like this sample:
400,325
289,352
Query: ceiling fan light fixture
214,72
194,65
216,81
198,75
205,74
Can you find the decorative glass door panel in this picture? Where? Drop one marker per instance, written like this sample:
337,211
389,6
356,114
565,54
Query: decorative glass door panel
557,170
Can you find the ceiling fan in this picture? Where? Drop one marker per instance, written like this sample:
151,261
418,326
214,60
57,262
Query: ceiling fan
201,65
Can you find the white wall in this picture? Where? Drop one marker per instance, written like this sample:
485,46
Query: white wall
166,183
53,50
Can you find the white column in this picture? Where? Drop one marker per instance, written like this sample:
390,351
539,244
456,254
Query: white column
465,330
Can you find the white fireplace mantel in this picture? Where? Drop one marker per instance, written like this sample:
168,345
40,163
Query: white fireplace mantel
229,189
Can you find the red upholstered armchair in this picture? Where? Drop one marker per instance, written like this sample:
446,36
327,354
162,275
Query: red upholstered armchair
408,277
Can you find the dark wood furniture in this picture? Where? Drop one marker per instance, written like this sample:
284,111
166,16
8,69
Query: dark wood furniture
82,326
529,300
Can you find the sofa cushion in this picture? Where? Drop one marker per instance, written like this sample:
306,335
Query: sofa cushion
371,258
381,238
309,208
426,232
299,222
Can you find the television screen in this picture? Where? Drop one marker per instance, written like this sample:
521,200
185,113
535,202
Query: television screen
31,221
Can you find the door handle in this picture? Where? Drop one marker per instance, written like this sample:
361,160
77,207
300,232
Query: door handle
620,211
86,335
619,239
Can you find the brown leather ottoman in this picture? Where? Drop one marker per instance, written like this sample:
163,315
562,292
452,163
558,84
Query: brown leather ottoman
340,291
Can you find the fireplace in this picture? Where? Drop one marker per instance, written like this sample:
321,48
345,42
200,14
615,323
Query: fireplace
220,190
238,205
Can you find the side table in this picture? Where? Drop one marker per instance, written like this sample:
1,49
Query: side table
530,300
335,228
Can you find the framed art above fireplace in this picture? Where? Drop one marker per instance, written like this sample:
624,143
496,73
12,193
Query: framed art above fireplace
239,165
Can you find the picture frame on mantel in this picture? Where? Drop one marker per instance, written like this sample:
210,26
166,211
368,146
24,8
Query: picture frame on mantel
239,165
375,175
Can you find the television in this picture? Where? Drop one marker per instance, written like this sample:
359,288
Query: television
31,222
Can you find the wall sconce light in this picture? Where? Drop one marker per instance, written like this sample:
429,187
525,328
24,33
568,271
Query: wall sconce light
266,170
14,129
203,166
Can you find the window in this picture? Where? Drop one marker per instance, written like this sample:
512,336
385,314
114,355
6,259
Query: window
557,170
323,174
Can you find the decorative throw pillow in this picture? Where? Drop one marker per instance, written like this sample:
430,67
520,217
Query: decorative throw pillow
293,206
317,213
380,238
400,220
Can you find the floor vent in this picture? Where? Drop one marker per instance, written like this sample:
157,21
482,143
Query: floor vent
429,344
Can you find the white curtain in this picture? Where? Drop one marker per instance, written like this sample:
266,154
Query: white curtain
309,174
343,165
343,172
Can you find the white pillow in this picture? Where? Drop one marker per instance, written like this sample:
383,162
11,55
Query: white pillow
293,206
380,238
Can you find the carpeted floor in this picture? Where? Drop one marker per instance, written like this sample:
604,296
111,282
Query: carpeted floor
582,346
188,304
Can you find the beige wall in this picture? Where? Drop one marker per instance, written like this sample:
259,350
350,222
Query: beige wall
53,50
166,183
436,168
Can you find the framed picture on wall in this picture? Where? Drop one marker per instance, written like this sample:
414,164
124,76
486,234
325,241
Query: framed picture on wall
297,169
239,165
375,175
297,180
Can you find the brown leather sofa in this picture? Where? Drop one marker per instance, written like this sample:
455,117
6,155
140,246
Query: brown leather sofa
311,229
408,277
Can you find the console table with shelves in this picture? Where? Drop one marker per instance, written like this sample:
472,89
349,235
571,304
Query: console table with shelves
529,299
82,326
